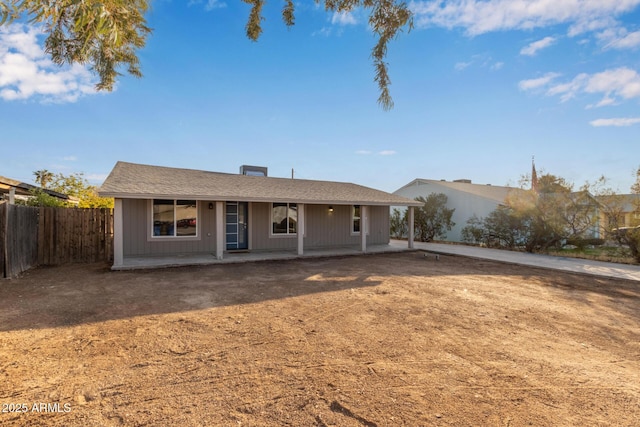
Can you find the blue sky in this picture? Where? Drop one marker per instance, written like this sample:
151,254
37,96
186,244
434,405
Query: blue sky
479,88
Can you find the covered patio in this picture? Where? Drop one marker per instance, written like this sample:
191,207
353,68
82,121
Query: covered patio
195,259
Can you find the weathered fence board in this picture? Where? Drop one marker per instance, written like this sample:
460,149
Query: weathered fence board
20,239
3,233
74,235
50,236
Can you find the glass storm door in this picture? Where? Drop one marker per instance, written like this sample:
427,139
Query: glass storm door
236,225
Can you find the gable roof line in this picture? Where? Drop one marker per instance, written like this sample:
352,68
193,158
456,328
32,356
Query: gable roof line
131,180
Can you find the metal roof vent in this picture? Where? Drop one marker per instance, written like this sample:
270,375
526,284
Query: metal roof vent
253,170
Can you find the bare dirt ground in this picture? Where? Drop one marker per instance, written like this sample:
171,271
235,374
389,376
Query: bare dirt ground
377,340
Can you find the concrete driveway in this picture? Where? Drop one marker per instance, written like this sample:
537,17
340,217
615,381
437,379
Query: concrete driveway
575,265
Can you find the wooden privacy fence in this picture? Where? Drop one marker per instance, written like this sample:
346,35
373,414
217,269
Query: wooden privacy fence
51,236
18,239
67,235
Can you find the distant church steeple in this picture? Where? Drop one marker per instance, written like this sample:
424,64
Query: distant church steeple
534,175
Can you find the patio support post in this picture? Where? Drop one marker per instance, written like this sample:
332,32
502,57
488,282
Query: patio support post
363,227
219,230
300,229
411,220
118,246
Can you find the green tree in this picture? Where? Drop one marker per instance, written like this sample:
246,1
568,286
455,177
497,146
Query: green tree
398,224
43,177
432,220
630,236
538,220
76,186
107,35
502,228
635,188
40,198
474,231
554,213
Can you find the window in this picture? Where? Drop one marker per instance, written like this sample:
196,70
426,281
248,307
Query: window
284,218
355,219
175,218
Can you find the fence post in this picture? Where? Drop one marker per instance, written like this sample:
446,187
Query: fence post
3,238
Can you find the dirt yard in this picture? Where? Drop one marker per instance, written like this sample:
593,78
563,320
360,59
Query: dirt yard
377,340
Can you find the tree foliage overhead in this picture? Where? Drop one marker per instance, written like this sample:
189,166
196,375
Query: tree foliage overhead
106,35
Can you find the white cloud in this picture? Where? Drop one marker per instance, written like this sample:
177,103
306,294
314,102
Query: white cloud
214,4
539,82
70,158
605,101
481,60
322,32
210,4
461,65
482,16
27,72
629,121
614,85
344,18
532,48
96,177
620,39
380,153
591,24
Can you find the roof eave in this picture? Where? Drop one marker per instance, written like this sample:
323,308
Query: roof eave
208,197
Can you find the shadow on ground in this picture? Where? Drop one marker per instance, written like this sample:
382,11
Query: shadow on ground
76,294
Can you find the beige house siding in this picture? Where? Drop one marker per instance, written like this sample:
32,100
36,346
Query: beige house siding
323,229
137,231
259,230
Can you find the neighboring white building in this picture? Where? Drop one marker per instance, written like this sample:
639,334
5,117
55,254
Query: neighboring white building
466,198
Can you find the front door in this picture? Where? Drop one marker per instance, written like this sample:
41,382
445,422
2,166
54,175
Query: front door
236,225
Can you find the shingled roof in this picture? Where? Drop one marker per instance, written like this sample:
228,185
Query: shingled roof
136,181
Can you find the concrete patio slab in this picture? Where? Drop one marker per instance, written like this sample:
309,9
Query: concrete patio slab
177,260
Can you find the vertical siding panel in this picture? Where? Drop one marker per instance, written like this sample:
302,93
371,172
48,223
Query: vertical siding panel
379,224
323,229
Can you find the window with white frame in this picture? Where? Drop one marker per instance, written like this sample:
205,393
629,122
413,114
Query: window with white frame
284,218
355,219
175,218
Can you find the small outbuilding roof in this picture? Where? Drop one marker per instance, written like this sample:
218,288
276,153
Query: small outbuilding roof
24,189
137,181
